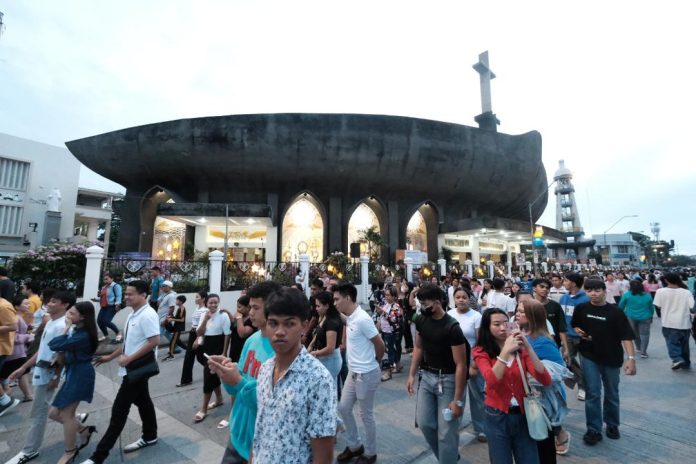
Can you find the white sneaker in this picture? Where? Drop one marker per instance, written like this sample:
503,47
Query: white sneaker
101,338
581,394
136,445
88,461
21,458
8,406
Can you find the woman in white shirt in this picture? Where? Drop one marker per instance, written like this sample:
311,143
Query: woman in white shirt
190,357
470,321
215,328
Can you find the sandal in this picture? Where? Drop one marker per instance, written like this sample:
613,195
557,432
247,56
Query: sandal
386,375
563,447
71,459
213,405
90,429
199,417
223,424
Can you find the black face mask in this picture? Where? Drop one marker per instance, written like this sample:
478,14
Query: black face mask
427,312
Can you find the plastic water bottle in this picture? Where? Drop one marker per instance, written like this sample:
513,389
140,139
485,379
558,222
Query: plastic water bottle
447,414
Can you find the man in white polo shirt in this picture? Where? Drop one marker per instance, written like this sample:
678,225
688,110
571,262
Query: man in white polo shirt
141,336
364,348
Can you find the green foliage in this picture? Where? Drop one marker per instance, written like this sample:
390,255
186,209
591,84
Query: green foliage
374,242
59,265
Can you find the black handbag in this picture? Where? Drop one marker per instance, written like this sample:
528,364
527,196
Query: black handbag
142,368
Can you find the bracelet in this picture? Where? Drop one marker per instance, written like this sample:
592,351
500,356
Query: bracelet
507,363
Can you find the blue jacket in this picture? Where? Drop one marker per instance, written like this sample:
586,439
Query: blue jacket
568,303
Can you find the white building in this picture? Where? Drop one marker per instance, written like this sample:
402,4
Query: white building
618,249
29,172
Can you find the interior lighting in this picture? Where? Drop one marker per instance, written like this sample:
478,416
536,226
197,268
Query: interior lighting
202,220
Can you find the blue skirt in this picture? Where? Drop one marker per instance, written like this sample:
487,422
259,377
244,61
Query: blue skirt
78,385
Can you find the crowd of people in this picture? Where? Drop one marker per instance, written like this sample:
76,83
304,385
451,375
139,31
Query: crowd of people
297,367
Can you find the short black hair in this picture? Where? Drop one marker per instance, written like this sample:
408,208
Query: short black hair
181,298
263,289
140,286
287,302
243,300
575,277
155,268
498,283
346,289
540,281
33,286
3,271
47,293
431,292
317,283
595,284
65,297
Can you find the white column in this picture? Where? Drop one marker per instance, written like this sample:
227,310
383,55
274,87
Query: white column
107,236
94,257
558,266
545,267
491,269
92,226
528,265
409,269
271,244
470,268
365,277
215,271
442,264
304,268
475,255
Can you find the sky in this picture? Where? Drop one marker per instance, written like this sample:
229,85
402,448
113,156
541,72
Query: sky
609,85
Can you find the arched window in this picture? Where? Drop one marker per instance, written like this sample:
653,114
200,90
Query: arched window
363,219
417,233
303,231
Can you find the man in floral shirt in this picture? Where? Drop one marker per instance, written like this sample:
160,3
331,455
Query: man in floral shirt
296,417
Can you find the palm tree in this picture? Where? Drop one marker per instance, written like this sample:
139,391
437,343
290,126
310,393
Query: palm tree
374,241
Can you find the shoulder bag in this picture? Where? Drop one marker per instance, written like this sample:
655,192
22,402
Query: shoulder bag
537,421
142,368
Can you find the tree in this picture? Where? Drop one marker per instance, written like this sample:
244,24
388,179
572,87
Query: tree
446,254
374,241
681,261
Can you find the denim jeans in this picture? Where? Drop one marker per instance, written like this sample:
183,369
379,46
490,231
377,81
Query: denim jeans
476,387
508,436
641,329
596,377
575,363
390,343
677,341
333,363
361,388
442,436
104,318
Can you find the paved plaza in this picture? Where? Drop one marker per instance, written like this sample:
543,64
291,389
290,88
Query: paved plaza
658,422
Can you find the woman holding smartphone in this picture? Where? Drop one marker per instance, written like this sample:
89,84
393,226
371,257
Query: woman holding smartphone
499,342
215,328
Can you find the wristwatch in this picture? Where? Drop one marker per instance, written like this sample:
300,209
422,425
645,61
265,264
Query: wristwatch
632,357
459,403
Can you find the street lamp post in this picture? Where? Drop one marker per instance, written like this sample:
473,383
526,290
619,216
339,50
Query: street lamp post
531,219
611,227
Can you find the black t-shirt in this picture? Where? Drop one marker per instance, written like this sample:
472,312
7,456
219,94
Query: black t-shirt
437,339
608,327
556,316
237,342
330,324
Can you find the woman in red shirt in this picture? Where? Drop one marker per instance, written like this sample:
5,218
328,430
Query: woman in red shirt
494,355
